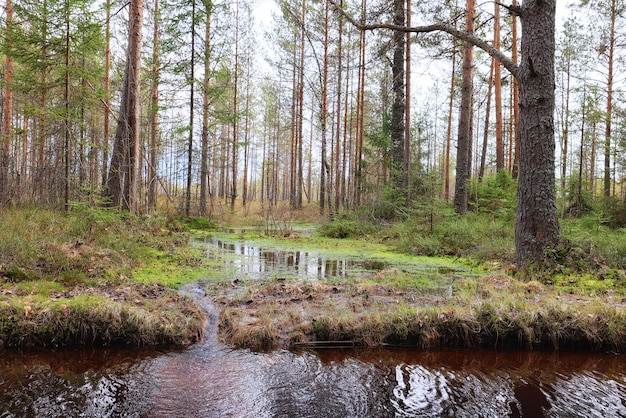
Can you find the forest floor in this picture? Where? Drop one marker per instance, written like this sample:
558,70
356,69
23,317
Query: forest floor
93,277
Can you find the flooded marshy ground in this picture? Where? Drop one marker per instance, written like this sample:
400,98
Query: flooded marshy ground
210,379
255,259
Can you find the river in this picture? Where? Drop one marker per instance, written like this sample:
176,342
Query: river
212,380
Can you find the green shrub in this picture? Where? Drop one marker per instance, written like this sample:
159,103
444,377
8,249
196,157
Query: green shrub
339,228
496,195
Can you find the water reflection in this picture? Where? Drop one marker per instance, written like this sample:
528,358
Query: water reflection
249,261
210,380
72,383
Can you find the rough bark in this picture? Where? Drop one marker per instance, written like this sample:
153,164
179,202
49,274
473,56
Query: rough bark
67,157
107,94
515,59
465,115
124,170
407,106
398,107
537,225
7,127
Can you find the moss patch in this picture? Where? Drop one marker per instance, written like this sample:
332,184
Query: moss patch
94,276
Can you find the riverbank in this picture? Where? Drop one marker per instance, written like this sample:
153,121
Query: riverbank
95,277
389,308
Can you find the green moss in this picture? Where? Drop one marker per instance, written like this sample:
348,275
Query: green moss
172,275
69,279
42,288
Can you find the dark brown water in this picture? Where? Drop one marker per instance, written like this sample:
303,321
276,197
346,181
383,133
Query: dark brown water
211,380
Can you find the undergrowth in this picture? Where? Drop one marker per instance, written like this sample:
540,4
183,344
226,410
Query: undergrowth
94,276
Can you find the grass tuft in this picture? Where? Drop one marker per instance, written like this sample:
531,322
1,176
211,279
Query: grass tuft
71,279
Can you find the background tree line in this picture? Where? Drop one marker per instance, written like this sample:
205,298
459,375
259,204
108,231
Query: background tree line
311,108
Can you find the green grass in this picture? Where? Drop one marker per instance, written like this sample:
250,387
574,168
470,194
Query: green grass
94,276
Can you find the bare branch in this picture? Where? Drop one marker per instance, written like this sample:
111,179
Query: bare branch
436,27
514,9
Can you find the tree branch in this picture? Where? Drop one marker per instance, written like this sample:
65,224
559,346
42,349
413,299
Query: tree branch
436,27
512,8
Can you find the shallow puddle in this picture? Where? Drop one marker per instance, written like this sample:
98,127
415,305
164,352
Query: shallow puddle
257,260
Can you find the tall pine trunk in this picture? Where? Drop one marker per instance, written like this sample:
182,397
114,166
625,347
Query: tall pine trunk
124,171
192,85
204,151
398,108
497,81
446,168
7,127
465,116
609,104
537,225
154,111
324,116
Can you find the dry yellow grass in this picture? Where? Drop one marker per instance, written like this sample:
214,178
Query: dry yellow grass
494,310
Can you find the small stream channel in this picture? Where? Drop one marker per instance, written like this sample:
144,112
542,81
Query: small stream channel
212,380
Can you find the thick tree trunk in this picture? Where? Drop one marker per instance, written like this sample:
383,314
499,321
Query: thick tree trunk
124,171
107,95
514,58
537,225
465,116
7,126
398,107
407,106
67,155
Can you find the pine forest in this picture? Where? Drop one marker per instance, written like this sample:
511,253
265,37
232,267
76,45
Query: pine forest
201,106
